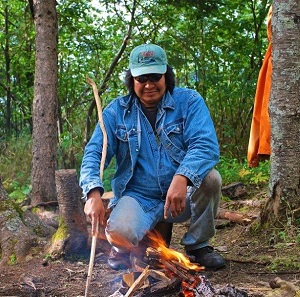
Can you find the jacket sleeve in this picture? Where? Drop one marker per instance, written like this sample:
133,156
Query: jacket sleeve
90,166
202,152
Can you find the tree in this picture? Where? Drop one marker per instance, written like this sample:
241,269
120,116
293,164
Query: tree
283,205
44,136
16,71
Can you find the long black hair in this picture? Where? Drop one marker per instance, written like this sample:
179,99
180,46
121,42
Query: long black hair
169,76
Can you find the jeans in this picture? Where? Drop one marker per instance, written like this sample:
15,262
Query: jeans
129,222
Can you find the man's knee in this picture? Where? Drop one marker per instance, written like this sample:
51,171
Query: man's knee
121,235
212,182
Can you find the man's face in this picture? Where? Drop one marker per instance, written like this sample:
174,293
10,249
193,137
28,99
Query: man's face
150,88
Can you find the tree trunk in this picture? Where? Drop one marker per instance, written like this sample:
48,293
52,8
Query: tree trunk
283,205
7,72
44,137
71,238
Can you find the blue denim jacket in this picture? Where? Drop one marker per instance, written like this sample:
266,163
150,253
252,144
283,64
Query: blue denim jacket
183,126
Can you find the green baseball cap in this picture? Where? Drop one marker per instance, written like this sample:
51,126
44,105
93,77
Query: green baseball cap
147,58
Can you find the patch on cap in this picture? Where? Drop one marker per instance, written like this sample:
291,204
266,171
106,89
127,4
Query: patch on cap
147,58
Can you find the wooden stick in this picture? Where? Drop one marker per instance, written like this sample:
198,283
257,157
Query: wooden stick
233,216
101,123
159,275
102,163
138,282
91,264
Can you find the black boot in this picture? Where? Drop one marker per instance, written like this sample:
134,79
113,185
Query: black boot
118,261
206,257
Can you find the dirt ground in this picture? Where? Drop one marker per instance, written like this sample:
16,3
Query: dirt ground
253,260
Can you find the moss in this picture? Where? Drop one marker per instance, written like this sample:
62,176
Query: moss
8,207
4,206
62,231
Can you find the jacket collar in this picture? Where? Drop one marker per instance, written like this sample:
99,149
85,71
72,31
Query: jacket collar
166,102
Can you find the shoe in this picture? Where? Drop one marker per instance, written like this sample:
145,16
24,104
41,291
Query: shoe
206,257
118,261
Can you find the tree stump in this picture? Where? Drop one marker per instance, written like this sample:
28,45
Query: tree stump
71,238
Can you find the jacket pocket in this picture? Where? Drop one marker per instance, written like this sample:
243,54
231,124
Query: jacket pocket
174,132
122,142
121,133
173,140
174,127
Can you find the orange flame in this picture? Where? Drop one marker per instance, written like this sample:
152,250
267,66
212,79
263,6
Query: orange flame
170,254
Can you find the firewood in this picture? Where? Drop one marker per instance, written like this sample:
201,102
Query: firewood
138,282
129,278
191,270
152,252
162,288
233,216
169,265
159,275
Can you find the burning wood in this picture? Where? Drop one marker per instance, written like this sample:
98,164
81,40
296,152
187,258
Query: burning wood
173,273
138,283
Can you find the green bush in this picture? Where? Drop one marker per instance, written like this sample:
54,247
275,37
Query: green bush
233,170
15,165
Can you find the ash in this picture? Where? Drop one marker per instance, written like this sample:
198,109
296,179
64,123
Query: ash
205,289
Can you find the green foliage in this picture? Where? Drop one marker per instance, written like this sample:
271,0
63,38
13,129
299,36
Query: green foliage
233,170
17,66
215,47
70,149
15,165
108,175
12,259
16,191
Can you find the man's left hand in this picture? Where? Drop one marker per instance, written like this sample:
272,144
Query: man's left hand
176,196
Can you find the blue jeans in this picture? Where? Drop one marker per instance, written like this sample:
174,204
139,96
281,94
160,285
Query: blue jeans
129,222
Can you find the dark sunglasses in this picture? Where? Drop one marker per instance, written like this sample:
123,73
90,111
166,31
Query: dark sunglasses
153,77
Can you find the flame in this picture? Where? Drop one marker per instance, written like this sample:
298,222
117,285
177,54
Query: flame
170,254
119,241
188,289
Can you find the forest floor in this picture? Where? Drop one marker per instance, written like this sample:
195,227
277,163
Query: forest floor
253,260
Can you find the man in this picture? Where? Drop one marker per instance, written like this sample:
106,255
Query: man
165,147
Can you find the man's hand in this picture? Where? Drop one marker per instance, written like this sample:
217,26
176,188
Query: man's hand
94,209
176,196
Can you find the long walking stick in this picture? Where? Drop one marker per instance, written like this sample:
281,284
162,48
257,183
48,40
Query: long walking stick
104,151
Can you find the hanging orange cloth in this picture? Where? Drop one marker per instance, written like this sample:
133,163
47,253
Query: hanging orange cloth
259,141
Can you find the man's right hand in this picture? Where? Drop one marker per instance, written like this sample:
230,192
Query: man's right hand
94,209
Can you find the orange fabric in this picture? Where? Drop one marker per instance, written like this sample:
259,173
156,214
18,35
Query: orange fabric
260,132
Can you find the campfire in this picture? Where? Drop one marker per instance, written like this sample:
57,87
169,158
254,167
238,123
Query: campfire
166,272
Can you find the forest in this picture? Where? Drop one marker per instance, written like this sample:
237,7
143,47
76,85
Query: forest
215,47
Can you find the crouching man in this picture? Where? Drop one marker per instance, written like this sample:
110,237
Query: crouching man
165,146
